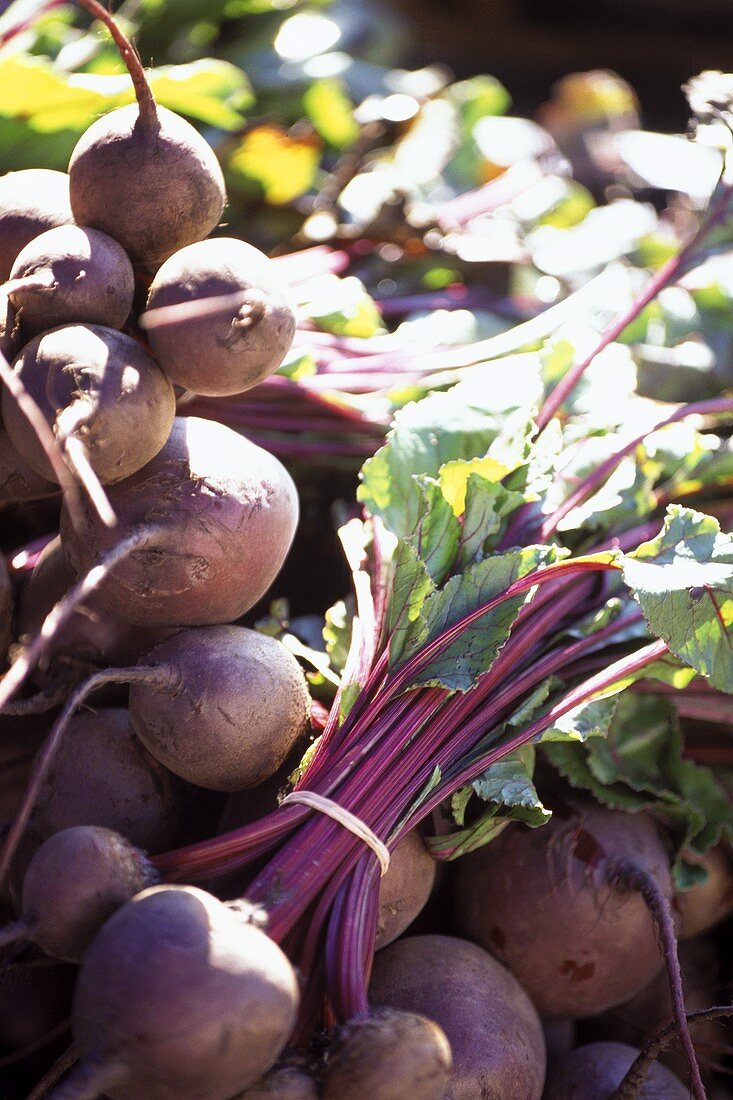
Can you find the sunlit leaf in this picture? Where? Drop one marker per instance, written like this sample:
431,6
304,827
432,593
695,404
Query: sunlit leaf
280,165
331,112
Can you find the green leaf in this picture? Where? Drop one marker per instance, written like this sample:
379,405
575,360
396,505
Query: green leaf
591,719
487,505
639,765
337,630
331,112
458,666
509,784
437,532
454,477
461,423
411,586
31,88
683,581
478,97
451,846
511,795
348,698
213,92
278,165
342,306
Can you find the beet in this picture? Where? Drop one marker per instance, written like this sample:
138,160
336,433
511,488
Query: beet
236,704
637,1021
389,1055
31,201
405,888
236,343
582,945
90,637
215,516
20,738
18,482
493,1029
703,906
179,996
71,274
120,168
103,776
73,884
595,1071
99,387
282,1083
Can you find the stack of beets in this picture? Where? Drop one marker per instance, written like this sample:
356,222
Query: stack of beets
171,530
188,524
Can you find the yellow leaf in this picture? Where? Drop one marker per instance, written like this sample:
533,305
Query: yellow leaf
284,166
454,478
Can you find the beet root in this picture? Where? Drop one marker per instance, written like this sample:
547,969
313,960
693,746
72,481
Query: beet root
153,186
216,516
493,1029
18,482
103,776
639,1020
282,1083
405,888
235,344
31,201
99,387
74,882
89,638
179,995
89,279
389,1055
582,945
237,705
595,1071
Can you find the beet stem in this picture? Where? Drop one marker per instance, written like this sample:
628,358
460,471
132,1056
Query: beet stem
59,615
49,443
635,878
145,101
89,1080
63,1063
79,459
674,267
40,280
719,406
39,703
632,1084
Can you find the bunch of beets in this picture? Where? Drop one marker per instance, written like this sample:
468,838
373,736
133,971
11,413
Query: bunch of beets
169,522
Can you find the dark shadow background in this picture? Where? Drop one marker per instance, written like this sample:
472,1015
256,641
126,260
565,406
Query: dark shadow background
529,44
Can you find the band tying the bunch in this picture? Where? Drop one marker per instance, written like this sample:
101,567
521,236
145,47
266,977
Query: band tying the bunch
344,817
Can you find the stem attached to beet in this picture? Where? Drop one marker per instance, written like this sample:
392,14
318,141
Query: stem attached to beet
633,1083
59,616
89,1080
145,101
628,874
61,1066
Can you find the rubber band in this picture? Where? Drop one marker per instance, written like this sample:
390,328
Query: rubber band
344,817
